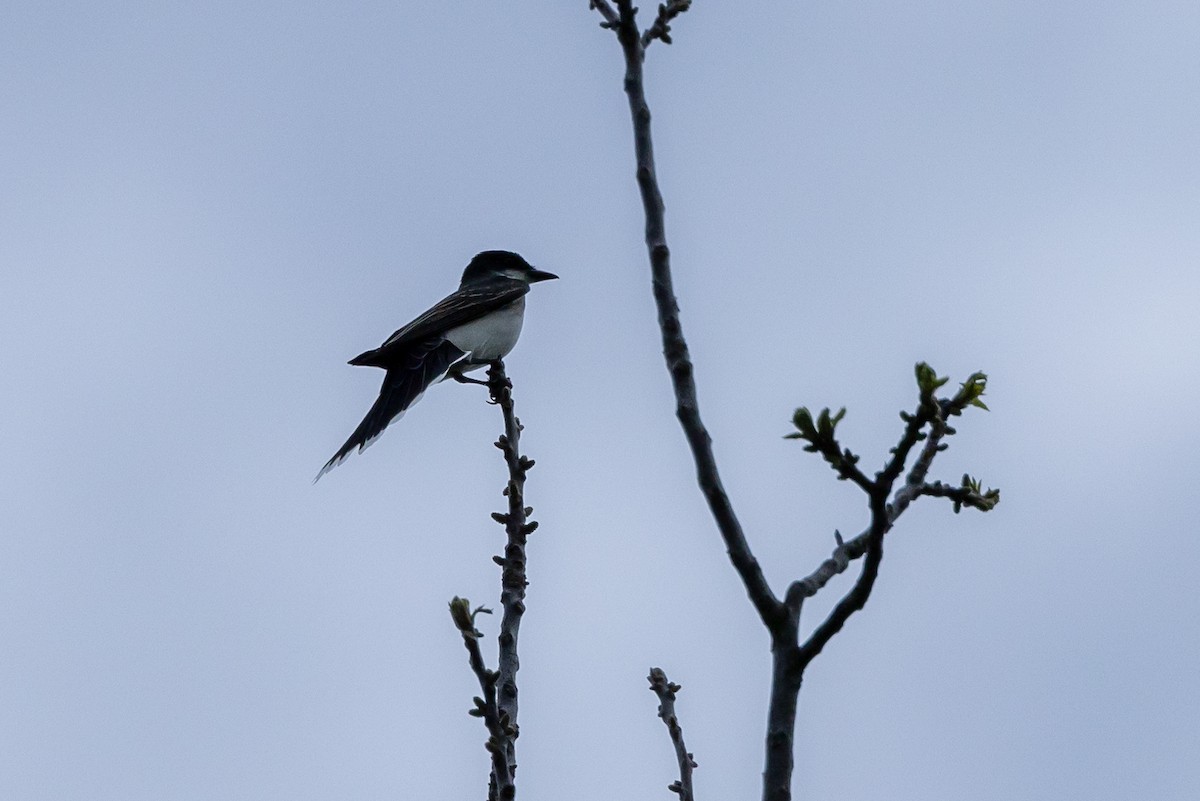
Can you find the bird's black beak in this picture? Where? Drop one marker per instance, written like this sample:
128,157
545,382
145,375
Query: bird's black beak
536,275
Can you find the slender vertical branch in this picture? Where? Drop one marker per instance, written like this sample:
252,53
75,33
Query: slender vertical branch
497,705
675,348
779,619
513,581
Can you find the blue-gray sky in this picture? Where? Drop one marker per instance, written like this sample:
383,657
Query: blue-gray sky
205,209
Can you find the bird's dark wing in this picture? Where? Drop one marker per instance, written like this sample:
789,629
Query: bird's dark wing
462,307
424,362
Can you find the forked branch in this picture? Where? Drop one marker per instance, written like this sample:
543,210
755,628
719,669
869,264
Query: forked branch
498,704
927,424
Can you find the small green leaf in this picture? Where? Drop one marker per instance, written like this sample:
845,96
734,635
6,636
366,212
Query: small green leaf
803,421
927,379
971,391
460,612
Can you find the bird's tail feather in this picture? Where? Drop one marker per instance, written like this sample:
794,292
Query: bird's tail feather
403,385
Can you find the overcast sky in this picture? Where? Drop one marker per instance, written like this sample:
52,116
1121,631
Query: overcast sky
206,208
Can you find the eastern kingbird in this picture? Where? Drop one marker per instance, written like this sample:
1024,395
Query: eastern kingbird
476,325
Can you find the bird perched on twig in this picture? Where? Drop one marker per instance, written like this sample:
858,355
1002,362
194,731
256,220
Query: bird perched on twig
467,330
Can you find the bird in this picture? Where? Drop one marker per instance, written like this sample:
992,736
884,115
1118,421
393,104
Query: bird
474,326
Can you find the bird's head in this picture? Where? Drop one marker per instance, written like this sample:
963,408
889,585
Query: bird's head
491,264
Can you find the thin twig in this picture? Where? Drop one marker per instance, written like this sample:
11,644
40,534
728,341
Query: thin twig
611,18
665,689
661,29
500,784
938,431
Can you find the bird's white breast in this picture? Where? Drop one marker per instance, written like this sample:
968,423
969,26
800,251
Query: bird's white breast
491,336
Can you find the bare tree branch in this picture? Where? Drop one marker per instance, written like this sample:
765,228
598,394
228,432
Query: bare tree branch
513,579
498,705
878,492
782,618
857,597
675,349
932,412
789,659
968,494
938,430
665,689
